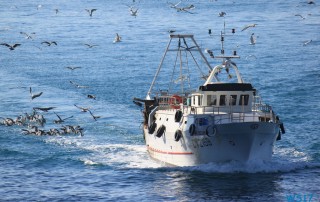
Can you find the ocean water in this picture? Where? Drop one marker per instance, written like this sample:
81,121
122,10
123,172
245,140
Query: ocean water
110,162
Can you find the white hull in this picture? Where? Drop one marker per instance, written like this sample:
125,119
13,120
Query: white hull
241,142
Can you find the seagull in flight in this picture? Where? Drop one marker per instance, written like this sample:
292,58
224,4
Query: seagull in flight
60,119
307,42
248,26
83,109
210,52
28,36
77,85
90,46
299,15
91,96
11,47
253,39
45,109
93,116
222,14
49,43
251,56
90,11
72,67
33,96
174,5
133,12
117,38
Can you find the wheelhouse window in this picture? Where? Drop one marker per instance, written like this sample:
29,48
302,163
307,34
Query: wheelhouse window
222,101
233,100
244,99
211,100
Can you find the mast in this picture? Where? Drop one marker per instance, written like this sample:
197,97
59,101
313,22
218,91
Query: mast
178,36
160,65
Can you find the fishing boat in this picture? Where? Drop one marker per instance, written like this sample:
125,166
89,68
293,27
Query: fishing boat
195,121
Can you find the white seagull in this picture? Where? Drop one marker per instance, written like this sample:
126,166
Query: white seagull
253,39
33,96
133,12
248,26
28,36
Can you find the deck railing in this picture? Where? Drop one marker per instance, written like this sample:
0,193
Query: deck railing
258,113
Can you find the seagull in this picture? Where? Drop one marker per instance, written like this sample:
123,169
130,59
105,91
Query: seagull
60,119
91,96
90,11
83,109
33,96
77,85
174,5
251,56
300,16
222,14
133,12
49,43
252,39
28,36
117,38
72,68
185,9
93,116
210,52
11,47
307,42
90,46
248,26
45,109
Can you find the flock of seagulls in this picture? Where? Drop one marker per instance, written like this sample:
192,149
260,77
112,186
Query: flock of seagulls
34,125
35,121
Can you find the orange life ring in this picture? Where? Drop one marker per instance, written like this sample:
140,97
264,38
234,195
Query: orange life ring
174,101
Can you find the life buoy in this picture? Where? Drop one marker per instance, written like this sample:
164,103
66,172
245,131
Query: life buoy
178,116
177,135
192,129
160,131
152,127
211,131
174,101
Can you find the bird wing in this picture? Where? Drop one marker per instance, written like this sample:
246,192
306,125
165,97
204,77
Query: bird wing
244,28
16,45
53,42
46,42
58,116
5,44
67,118
73,83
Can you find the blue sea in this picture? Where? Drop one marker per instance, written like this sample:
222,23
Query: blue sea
110,161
